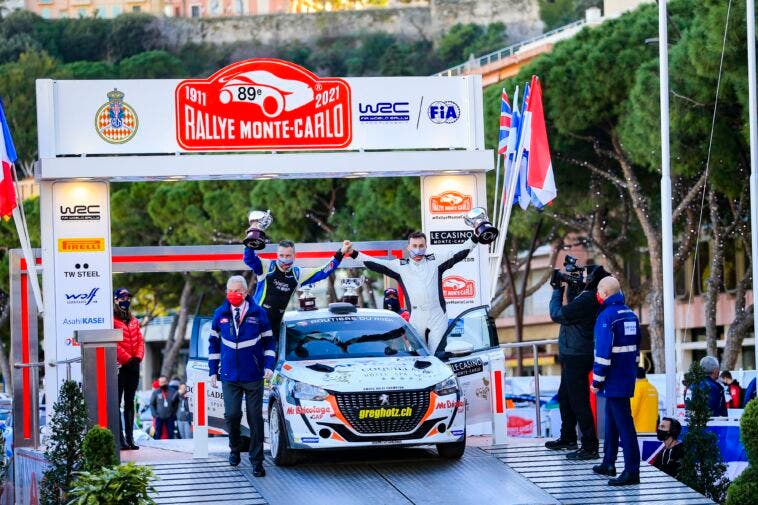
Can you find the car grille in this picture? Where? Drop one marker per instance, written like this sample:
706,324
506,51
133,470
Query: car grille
402,410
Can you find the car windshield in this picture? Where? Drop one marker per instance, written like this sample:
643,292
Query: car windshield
351,336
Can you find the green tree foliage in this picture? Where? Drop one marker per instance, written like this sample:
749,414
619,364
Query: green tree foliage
463,40
151,65
557,13
744,489
131,34
84,39
64,445
127,484
98,449
702,467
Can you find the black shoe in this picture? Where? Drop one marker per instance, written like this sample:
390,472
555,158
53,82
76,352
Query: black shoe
132,447
561,444
625,479
234,458
583,454
258,470
604,469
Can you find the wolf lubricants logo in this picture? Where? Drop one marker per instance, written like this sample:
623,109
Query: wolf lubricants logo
455,286
450,202
263,104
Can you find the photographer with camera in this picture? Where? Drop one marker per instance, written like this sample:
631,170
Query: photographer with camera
576,354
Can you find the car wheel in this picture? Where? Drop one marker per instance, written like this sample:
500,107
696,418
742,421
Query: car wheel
277,432
452,450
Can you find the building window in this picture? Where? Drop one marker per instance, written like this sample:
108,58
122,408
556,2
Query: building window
136,8
195,11
116,10
82,13
46,13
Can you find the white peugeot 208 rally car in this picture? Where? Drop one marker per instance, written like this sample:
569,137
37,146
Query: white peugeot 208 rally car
349,377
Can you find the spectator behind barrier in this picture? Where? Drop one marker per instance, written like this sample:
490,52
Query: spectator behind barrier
164,403
184,414
733,391
644,404
716,401
669,459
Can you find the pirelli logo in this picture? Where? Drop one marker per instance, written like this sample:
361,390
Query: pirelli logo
81,244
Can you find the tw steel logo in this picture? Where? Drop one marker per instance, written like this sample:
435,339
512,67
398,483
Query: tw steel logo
455,287
263,104
450,202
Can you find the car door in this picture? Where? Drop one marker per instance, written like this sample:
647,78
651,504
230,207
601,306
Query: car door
472,337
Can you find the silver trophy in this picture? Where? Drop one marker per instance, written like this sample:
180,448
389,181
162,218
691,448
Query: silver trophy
483,229
306,298
259,221
351,286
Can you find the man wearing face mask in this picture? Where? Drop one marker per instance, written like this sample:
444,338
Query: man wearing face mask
420,276
392,302
669,459
282,278
241,350
129,353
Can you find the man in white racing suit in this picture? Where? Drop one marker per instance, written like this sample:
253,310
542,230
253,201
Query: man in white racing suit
420,276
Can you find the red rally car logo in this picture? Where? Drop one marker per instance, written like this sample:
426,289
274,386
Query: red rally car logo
263,104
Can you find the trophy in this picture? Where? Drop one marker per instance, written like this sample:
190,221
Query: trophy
306,298
483,229
351,285
259,221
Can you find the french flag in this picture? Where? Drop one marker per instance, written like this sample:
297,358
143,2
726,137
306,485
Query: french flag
540,177
8,157
506,118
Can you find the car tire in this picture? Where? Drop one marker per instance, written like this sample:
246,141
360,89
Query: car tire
452,450
280,450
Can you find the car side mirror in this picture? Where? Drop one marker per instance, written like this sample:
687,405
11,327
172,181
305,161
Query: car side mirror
459,347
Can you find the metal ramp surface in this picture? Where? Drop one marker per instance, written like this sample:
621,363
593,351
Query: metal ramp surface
396,477
202,481
573,482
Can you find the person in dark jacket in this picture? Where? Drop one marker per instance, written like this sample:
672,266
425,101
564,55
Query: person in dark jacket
575,346
392,302
184,414
164,403
614,373
129,354
241,349
716,400
669,459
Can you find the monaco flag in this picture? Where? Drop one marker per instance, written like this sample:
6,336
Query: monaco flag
540,178
8,158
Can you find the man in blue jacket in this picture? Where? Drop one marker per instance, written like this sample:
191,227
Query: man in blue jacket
716,400
617,352
241,350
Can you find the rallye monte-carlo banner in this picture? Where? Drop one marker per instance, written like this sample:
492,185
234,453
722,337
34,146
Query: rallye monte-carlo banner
261,104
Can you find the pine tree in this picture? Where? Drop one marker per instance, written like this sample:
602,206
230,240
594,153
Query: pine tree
64,446
703,469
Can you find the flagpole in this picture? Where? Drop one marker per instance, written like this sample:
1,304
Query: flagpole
753,154
666,219
31,265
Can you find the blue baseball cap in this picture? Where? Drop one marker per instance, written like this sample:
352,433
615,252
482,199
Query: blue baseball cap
120,293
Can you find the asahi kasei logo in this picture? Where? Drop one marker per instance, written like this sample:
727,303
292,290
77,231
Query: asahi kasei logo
116,121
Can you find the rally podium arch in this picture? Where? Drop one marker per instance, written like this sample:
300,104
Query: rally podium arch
256,119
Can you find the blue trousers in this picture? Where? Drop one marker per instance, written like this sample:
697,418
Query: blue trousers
619,424
161,424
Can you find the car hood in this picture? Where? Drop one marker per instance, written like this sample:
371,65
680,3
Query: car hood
368,374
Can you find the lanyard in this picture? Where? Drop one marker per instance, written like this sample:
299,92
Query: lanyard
243,311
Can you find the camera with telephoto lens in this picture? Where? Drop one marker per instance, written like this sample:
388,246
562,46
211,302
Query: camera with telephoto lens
573,276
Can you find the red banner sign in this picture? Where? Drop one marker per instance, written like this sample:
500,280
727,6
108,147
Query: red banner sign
455,286
450,202
263,104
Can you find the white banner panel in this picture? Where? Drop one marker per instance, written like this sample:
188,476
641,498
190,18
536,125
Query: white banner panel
82,264
444,201
140,116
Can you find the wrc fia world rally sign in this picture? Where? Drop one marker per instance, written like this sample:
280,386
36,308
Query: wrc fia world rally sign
263,104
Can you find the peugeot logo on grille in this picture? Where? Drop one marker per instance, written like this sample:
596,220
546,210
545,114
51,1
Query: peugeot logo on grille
384,399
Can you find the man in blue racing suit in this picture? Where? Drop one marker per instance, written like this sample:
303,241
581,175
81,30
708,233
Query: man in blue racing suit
281,278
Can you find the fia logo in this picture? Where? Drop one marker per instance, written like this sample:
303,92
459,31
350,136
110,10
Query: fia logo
444,112
82,298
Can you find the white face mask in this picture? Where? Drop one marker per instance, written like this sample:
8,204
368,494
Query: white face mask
417,253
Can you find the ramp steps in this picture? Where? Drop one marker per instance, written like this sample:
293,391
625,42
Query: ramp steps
573,482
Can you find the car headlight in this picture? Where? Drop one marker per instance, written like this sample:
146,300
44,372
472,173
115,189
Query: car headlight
304,391
447,386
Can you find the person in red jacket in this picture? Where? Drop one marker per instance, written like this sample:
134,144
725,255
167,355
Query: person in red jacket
130,352
734,399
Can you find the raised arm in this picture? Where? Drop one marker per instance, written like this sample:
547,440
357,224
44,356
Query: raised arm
253,261
323,272
452,257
